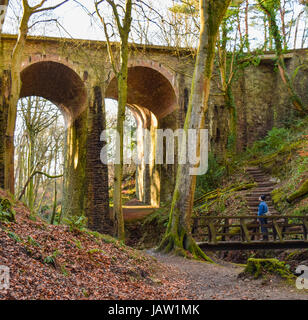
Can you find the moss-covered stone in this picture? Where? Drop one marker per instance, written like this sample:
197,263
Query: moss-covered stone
261,267
302,191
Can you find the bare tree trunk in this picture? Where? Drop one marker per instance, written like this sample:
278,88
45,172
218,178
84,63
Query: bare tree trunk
296,28
124,30
16,62
2,17
247,25
15,91
178,236
282,11
118,171
54,208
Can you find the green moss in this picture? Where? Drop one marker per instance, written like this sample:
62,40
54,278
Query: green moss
268,161
302,191
102,237
277,196
234,231
219,197
96,250
77,243
293,255
262,267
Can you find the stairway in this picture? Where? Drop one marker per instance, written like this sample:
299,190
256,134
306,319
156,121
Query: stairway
265,186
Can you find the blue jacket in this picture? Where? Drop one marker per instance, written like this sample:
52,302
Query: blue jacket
263,208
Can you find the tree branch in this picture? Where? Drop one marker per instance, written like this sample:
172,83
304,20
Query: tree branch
31,176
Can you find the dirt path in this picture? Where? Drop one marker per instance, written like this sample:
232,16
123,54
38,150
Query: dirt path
220,282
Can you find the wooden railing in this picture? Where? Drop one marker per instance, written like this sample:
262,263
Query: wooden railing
240,232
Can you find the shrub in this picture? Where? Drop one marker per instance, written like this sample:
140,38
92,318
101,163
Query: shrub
76,223
212,179
14,236
274,141
7,213
52,258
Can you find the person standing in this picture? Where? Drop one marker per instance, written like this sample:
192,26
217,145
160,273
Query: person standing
262,211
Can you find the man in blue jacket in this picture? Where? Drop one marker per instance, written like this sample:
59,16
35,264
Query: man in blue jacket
263,209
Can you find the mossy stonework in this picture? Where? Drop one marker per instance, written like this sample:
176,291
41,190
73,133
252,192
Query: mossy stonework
76,75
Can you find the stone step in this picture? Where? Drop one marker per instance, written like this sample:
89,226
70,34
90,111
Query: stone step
272,211
265,179
257,202
257,174
266,184
255,197
261,179
264,189
257,207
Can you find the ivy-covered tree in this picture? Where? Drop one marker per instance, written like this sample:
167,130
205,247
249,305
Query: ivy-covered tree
178,236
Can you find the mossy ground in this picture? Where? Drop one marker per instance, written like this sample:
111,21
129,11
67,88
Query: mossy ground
265,267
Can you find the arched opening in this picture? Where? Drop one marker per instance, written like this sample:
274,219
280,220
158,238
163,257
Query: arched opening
39,156
129,167
61,89
147,88
57,83
153,100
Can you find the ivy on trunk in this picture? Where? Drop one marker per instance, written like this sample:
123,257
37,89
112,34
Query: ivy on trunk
178,237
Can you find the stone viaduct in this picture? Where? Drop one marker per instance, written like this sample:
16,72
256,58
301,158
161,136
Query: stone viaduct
76,76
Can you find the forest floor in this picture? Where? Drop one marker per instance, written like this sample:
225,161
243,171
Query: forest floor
54,262
49,262
220,281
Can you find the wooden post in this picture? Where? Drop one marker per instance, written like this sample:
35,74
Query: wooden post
225,229
278,230
212,232
245,232
305,225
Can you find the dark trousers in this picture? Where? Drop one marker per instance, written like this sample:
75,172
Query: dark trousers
263,222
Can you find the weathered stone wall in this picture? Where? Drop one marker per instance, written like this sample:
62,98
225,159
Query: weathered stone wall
261,99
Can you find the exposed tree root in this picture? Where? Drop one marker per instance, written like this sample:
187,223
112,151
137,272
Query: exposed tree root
183,245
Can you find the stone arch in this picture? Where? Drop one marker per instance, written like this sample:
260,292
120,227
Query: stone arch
60,84
150,86
153,98
159,67
56,81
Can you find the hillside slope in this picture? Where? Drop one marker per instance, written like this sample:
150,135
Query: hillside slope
52,262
